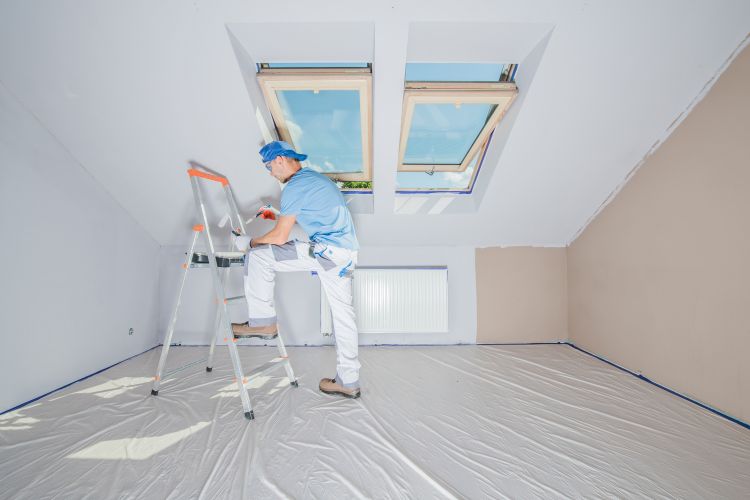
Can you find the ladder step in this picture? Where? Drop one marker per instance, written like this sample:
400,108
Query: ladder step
223,259
255,335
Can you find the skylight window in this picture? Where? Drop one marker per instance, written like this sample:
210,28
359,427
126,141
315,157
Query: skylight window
448,118
324,111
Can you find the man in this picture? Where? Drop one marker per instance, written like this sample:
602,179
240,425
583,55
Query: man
315,202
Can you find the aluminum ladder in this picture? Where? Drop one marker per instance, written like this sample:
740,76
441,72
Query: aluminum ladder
219,264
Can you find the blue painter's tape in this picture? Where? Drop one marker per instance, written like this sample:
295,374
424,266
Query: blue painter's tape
674,393
75,381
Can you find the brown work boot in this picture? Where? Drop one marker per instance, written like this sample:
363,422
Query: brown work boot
331,386
244,331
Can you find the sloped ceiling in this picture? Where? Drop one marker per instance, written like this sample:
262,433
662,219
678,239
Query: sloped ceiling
134,90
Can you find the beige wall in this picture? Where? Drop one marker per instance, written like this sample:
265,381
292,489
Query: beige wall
660,281
521,295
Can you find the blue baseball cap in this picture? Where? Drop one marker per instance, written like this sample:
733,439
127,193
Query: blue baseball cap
279,148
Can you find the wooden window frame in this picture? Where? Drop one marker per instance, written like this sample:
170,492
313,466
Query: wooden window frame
360,79
501,93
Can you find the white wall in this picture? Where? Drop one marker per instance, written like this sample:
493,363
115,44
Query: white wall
298,298
77,270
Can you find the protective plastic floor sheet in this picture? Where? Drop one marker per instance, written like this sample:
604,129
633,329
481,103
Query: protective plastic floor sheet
433,422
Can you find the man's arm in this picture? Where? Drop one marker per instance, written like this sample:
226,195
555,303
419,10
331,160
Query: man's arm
279,234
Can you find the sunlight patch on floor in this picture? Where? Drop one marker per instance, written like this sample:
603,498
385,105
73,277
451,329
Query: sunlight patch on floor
111,388
135,448
17,420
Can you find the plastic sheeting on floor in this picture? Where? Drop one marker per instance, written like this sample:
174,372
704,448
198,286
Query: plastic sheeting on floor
433,422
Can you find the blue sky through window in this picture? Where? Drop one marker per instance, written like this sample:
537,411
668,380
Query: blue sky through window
326,126
442,134
453,72
316,65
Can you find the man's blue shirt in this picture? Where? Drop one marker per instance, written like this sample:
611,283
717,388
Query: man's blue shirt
320,209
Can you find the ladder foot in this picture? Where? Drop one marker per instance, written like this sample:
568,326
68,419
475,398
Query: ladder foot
294,383
154,393
209,368
249,415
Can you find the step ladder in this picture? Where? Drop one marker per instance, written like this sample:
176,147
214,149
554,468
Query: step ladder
219,264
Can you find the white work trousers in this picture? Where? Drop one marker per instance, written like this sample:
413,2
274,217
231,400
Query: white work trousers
334,266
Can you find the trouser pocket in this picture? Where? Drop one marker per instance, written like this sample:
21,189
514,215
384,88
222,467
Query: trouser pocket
334,258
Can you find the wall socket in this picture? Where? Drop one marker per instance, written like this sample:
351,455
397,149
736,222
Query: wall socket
130,332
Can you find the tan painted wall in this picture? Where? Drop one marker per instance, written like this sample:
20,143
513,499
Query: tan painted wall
521,295
660,281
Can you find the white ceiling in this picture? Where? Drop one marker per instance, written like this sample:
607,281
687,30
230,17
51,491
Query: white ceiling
136,89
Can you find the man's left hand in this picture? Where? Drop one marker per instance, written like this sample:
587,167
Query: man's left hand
243,242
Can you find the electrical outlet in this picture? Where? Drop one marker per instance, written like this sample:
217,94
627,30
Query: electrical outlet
130,332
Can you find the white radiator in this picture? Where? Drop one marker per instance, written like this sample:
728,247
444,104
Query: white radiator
396,300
